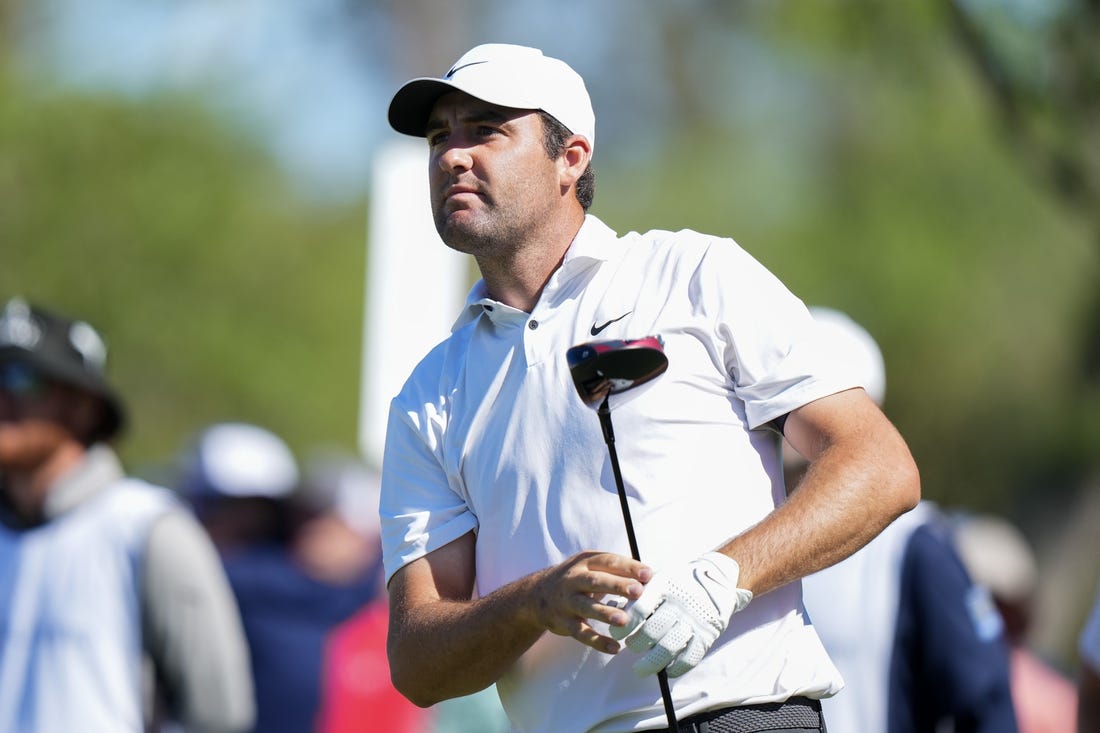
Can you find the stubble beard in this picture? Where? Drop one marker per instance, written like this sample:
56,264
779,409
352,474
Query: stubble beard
481,234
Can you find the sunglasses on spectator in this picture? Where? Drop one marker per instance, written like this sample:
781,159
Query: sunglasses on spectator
22,380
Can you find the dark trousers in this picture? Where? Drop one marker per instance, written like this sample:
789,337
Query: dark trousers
794,715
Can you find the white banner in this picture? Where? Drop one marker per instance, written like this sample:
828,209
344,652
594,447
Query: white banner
415,285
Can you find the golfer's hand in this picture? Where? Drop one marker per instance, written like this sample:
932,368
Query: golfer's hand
681,614
573,593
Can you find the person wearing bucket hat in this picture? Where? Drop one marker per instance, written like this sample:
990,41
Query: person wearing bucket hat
102,577
66,352
505,552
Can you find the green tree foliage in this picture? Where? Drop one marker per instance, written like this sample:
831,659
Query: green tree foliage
222,295
1040,72
883,189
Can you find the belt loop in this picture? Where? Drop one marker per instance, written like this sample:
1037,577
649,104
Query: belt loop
702,726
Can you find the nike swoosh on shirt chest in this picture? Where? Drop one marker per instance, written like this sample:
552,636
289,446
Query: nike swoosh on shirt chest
597,329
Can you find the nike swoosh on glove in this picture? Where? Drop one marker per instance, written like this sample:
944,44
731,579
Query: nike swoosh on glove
681,613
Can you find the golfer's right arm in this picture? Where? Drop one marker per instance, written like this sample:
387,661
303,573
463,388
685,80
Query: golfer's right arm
443,643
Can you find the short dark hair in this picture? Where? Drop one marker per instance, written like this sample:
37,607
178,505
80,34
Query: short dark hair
554,135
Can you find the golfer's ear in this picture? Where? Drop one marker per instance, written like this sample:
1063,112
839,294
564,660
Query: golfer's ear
574,160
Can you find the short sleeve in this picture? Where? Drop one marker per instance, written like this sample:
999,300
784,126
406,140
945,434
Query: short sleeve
776,356
420,510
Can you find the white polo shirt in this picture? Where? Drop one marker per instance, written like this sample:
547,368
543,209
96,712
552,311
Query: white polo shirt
489,435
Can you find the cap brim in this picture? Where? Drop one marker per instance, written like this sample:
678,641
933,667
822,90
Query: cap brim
114,417
412,104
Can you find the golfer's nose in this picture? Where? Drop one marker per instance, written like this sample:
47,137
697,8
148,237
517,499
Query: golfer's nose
455,157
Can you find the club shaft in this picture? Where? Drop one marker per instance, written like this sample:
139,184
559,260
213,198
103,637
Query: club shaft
609,437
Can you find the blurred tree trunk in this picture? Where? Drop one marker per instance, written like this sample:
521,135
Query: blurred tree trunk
1051,117
1050,113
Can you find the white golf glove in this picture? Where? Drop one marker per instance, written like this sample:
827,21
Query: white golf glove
681,613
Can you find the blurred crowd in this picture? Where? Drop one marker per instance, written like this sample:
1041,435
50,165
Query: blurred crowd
301,550
248,594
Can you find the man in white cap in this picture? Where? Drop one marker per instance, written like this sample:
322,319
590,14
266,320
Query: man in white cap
505,552
919,644
298,569
100,574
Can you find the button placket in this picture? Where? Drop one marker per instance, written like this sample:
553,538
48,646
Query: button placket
535,342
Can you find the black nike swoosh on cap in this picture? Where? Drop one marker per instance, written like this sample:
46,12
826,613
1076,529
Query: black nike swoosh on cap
455,69
596,329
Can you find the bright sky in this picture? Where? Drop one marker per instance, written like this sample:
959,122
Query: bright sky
271,66
294,73
315,88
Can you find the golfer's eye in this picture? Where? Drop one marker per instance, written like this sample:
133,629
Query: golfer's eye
436,137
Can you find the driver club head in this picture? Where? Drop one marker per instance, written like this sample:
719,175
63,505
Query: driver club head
602,368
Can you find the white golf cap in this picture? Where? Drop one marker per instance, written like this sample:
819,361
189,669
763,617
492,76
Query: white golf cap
240,460
855,345
998,556
510,76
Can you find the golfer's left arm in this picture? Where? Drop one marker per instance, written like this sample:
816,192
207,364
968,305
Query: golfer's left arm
861,477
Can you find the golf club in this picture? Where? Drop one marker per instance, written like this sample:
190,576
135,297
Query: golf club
604,368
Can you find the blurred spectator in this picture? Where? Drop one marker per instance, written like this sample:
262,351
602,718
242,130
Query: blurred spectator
303,559
357,692
999,557
357,679
237,478
102,577
1088,684
920,646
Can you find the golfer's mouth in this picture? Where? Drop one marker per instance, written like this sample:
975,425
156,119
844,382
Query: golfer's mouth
461,193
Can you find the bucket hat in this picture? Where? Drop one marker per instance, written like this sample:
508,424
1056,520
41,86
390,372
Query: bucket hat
66,350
